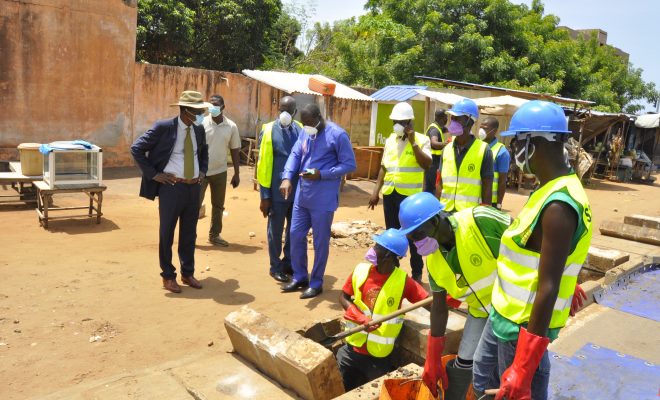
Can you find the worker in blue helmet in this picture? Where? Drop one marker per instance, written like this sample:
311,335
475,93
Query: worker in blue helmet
376,287
467,162
540,256
461,252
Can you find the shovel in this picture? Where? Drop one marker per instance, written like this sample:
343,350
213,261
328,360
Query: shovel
330,340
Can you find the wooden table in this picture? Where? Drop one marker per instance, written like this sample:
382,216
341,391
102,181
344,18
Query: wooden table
45,201
22,184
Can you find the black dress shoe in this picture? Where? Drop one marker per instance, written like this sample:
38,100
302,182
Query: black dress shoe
280,277
311,292
294,285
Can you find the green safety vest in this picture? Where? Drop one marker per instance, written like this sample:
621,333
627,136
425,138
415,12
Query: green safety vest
265,161
442,138
380,342
402,173
478,266
496,175
461,189
517,267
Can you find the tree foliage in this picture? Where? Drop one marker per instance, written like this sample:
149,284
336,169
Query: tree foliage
482,41
226,35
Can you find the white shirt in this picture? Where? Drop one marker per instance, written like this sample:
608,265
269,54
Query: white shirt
220,138
175,165
425,145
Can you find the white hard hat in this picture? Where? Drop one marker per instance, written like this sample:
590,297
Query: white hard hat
402,112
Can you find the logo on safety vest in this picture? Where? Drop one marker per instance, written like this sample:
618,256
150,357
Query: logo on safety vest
475,259
471,168
390,301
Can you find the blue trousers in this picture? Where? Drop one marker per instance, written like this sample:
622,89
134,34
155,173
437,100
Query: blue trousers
280,212
178,203
494,356
320,221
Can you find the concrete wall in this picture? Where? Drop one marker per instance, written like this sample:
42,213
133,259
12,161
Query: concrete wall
66,72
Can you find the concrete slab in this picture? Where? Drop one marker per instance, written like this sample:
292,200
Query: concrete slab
416,325
605,259
642,220
227,376
610,328
293,361
371,390
626,246
630,232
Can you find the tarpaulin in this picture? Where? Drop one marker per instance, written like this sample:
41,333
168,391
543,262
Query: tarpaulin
596,372
638,295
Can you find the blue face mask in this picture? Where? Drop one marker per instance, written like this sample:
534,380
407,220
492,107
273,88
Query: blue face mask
215,111
199,118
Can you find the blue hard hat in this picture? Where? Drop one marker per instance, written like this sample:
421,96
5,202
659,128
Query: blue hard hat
538,116
465,107
417,209
393,241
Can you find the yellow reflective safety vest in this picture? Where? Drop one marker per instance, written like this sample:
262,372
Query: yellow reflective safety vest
380,342
478,264
517,267
265,162
496,175
442,138
461,188
402,173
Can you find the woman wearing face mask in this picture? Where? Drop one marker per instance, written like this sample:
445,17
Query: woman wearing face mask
376,287
461,251
467,163
540,257
406,155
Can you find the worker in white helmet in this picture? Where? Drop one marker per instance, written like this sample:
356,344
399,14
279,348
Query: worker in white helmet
407,154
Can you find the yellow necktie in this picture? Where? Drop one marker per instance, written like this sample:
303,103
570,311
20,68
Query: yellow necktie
188,154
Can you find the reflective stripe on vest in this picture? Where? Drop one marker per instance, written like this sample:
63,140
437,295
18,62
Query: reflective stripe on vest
478,265
517,267
496,175
461,188
442,138
380,342
402,173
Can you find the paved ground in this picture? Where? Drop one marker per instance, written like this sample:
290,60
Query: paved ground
79,280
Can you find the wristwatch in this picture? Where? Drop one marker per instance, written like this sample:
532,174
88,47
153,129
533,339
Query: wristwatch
499,206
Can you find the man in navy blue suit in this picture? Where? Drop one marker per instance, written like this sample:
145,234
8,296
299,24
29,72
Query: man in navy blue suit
173,157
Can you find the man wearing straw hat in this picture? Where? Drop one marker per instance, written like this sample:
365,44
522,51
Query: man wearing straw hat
173,157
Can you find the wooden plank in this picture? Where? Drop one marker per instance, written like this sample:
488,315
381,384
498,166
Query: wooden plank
630,232
642,220
605,259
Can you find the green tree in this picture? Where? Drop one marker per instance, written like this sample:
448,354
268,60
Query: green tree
226,35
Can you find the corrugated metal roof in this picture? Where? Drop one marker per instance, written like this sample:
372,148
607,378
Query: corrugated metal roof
297,83
397,93
445,98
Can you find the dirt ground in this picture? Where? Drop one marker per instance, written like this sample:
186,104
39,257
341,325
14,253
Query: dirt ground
81,301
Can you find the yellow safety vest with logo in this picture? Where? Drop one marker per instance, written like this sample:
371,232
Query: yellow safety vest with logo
461,188
380,342
496,175
265,162
478,266
402,173
442,138
517,267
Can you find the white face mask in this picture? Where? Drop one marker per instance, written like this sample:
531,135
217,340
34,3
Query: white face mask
311,131
482,134
285,118
399,129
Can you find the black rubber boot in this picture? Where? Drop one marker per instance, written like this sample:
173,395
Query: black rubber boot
459,382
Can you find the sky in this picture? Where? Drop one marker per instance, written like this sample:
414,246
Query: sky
631,25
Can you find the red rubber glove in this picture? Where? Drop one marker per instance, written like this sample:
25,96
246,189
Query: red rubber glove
354,314
452,302
516,382
433,368
578,300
